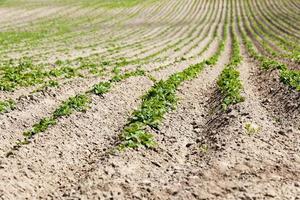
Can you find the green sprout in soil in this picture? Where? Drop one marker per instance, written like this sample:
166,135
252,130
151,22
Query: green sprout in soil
7,105
251,128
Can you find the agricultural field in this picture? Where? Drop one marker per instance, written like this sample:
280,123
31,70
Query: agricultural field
150,99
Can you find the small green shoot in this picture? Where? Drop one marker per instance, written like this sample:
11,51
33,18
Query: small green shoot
77,103
7,105
251,128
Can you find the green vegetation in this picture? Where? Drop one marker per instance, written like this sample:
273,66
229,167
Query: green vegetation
289,77
104,87
111,50
264,30
39,127
109,4
7,105
229,83
251,128
230,86
101,88
77,103
160,99
23,73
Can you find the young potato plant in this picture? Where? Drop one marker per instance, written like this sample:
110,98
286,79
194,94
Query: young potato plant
291,78
252,128
230,86
77,103
7,105
41,126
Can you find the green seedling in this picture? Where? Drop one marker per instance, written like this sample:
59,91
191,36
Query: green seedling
203,148
101,88
134,136
7,105
291,78
77,103
251,128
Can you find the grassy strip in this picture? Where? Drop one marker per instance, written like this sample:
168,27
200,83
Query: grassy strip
7,105
229,81
78,103
158,101
290,78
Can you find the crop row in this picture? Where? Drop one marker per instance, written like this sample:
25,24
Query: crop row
77,103
229,82
159,100
288,77
268,31
14,75
80,101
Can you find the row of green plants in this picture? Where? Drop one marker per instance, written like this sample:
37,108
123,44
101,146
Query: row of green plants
136,61
23,73
160,99
289,77
170,43
77,103
275,20
61,23
206,21
205,48
259,36
291,47
19,36
286,20
135,44
92,67
229,82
